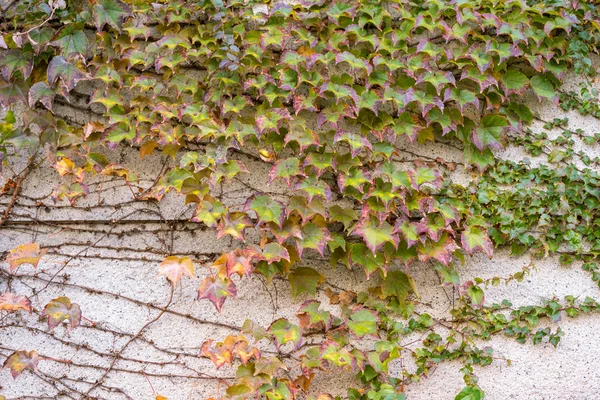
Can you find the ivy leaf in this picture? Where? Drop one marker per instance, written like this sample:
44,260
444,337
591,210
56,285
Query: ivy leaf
233,224
356,141
398,284
273,252
514,81
476,238
488,133
346,215
43,93
286,169
284,331
475,293
363,322
441,250
13,92
217,290
470,393
310,316
174,268
71,41
16,60
29,253
544,89
12,302
375,234
305,280
267,209
371,262
59,68
21,360
313,237
61,309
111,12
234,262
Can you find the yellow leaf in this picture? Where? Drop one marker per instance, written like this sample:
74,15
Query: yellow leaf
29,253
159,397
174,268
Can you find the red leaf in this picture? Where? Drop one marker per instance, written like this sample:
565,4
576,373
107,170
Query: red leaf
217,290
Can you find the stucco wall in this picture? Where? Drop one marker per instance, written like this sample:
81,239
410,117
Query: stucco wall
112,251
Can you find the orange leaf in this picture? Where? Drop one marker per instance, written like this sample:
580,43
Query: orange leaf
174,267
147,148
29,253
12,302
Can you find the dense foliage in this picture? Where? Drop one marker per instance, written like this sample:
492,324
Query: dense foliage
330,95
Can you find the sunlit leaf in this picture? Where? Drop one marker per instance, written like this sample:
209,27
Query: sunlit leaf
173,268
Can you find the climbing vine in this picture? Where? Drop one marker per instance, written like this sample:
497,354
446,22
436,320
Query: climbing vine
325,104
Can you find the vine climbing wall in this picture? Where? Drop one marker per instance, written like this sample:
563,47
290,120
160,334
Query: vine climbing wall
311,200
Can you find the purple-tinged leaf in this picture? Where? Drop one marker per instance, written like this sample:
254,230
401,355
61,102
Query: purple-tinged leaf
217,290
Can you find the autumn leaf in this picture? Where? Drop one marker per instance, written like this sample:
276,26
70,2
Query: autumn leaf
111,12
305,280
475,238
61,309
21,360
29,253
70,75
174,268
12,302
376,234
284,331
217,290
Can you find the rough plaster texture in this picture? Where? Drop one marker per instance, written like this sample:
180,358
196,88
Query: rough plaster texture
116,247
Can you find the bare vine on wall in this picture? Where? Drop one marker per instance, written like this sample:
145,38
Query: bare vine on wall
295,134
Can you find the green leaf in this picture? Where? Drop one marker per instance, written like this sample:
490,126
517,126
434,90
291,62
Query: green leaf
476,294
514,81
476,238
346,215
267,209
284,331
470,393
71,41
488,133
363,322
43,93
305,280
376,234
313,237
111,12
398,284
59,68
16,60
544,88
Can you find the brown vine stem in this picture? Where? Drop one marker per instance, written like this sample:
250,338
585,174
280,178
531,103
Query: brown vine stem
131,340
18,185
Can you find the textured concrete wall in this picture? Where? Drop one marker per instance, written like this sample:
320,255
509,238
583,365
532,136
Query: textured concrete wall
107,249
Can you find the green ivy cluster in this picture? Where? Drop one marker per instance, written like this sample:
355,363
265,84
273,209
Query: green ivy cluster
329,94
